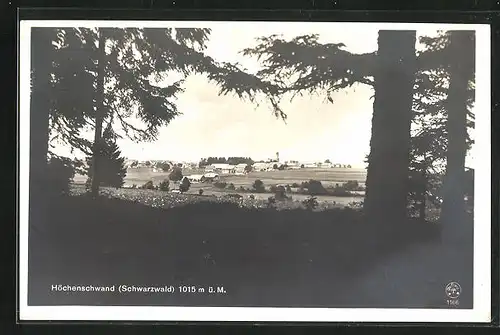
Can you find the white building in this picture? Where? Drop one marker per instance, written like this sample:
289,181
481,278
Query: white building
263,166
130,162
223,168
240,168
190,165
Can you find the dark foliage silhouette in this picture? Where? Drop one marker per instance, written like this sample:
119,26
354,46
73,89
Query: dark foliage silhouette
432,109
106,82
256,247
148,185
60,173
326,68
165,167
258,186
421,82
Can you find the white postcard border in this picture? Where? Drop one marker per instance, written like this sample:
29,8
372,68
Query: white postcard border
482,218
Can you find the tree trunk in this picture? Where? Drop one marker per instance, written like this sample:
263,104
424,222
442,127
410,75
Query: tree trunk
462,69
99,115
41,64
388,162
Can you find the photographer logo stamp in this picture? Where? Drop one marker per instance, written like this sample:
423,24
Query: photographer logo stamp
453,291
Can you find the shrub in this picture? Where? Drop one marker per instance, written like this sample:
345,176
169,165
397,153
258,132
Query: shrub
340,191
241,189
200,191
134,186
220,184
288,189
231,187
111,168
295,185
273,188
258,186
310,203
185,185
148,186
88,184
315,187
165,185
176,174
279,193
351,185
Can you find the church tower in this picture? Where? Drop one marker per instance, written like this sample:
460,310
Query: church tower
277,156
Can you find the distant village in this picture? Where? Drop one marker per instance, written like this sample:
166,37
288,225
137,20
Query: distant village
206,169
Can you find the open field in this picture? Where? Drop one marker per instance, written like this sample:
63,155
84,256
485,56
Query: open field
328,177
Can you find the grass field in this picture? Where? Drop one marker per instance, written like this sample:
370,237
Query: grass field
327,176
161,199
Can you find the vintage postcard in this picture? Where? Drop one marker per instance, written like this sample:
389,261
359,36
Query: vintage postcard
254,171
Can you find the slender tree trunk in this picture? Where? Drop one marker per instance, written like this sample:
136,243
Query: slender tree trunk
41,63
99,116
423,192
388,162
461,73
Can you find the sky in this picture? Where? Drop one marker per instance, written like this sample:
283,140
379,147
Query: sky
214,125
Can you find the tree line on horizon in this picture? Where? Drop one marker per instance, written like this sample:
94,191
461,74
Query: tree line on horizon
100,78
225,160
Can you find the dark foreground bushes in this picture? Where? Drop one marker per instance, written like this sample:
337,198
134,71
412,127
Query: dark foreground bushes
115,240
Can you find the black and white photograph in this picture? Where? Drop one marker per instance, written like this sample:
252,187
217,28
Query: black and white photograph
254,171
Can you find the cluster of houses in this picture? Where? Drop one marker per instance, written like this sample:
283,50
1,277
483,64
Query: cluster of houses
155,164
212,171
239,168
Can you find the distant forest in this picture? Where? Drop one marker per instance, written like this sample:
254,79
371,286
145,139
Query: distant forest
224,160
